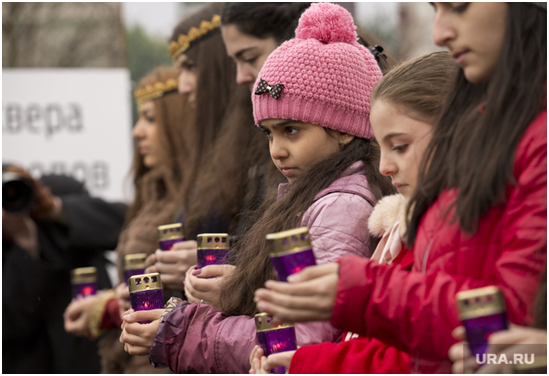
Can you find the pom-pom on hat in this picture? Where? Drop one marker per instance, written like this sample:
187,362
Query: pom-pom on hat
323,76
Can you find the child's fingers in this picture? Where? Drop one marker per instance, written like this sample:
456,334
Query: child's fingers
456,352
216,271
137,316
291,314
459,333
130,338
280,359
264,367
313,272
294,302
327,285
252,355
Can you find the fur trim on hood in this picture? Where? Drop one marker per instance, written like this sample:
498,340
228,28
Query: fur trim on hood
387,212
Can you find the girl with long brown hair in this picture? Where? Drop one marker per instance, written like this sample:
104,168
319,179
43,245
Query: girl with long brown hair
479,214
159,169
321,140
231,153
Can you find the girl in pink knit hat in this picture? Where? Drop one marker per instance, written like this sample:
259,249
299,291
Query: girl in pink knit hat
312,99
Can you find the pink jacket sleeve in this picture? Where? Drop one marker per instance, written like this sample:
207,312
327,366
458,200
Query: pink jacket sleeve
338,226
199,338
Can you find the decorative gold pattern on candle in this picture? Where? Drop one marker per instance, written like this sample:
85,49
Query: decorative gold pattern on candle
142,282
480,302
212,241
290,241
135,261
264,322
171,231
84,275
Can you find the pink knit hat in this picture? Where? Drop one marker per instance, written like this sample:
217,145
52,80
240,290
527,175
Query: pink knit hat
323,76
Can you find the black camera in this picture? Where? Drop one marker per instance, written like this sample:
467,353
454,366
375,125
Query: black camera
17,192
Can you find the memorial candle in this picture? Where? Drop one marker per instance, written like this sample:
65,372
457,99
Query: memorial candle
482,312
170,234
212,249
134,265
290,251
274,337
84,281
145,292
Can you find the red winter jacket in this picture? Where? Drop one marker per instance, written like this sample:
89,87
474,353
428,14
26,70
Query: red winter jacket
357,355
419,310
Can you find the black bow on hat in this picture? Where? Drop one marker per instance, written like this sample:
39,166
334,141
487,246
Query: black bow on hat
264,87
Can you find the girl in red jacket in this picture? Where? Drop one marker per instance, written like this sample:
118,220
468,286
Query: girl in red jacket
405,104
479,215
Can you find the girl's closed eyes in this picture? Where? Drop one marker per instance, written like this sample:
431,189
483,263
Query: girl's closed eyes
399,148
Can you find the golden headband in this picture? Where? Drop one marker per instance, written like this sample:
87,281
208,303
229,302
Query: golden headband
154,91
184,41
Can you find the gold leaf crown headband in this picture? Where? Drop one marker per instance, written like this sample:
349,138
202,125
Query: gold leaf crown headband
184,41
154,91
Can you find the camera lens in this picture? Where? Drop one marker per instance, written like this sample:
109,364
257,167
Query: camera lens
17,192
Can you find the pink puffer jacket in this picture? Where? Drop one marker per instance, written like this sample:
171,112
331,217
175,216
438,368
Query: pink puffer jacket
199,338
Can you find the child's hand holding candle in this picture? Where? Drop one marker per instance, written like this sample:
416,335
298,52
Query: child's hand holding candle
309,295
136,337
204,284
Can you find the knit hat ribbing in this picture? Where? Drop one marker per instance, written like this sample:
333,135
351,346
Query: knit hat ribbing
327,75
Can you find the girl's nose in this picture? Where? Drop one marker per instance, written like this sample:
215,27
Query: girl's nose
442,29
386,166
278,149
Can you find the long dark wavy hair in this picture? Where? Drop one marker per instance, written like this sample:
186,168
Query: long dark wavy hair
253,266
474,152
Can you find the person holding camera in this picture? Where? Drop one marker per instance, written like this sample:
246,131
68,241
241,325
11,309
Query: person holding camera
49,226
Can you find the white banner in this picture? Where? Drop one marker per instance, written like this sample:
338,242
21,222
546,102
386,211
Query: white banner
70,121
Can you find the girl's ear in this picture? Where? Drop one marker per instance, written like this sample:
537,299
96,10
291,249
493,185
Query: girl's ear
344,138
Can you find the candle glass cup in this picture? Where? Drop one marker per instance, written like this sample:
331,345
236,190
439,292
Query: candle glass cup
145,292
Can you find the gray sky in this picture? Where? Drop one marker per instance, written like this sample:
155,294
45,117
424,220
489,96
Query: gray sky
160,18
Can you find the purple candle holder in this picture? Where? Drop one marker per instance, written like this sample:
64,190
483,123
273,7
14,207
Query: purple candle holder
134,265
170,234
482,312
274,337
83,282
212,249
145,292
290,251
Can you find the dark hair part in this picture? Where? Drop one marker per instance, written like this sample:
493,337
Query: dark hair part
172,119
264,20
475,152
419,86
252,256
